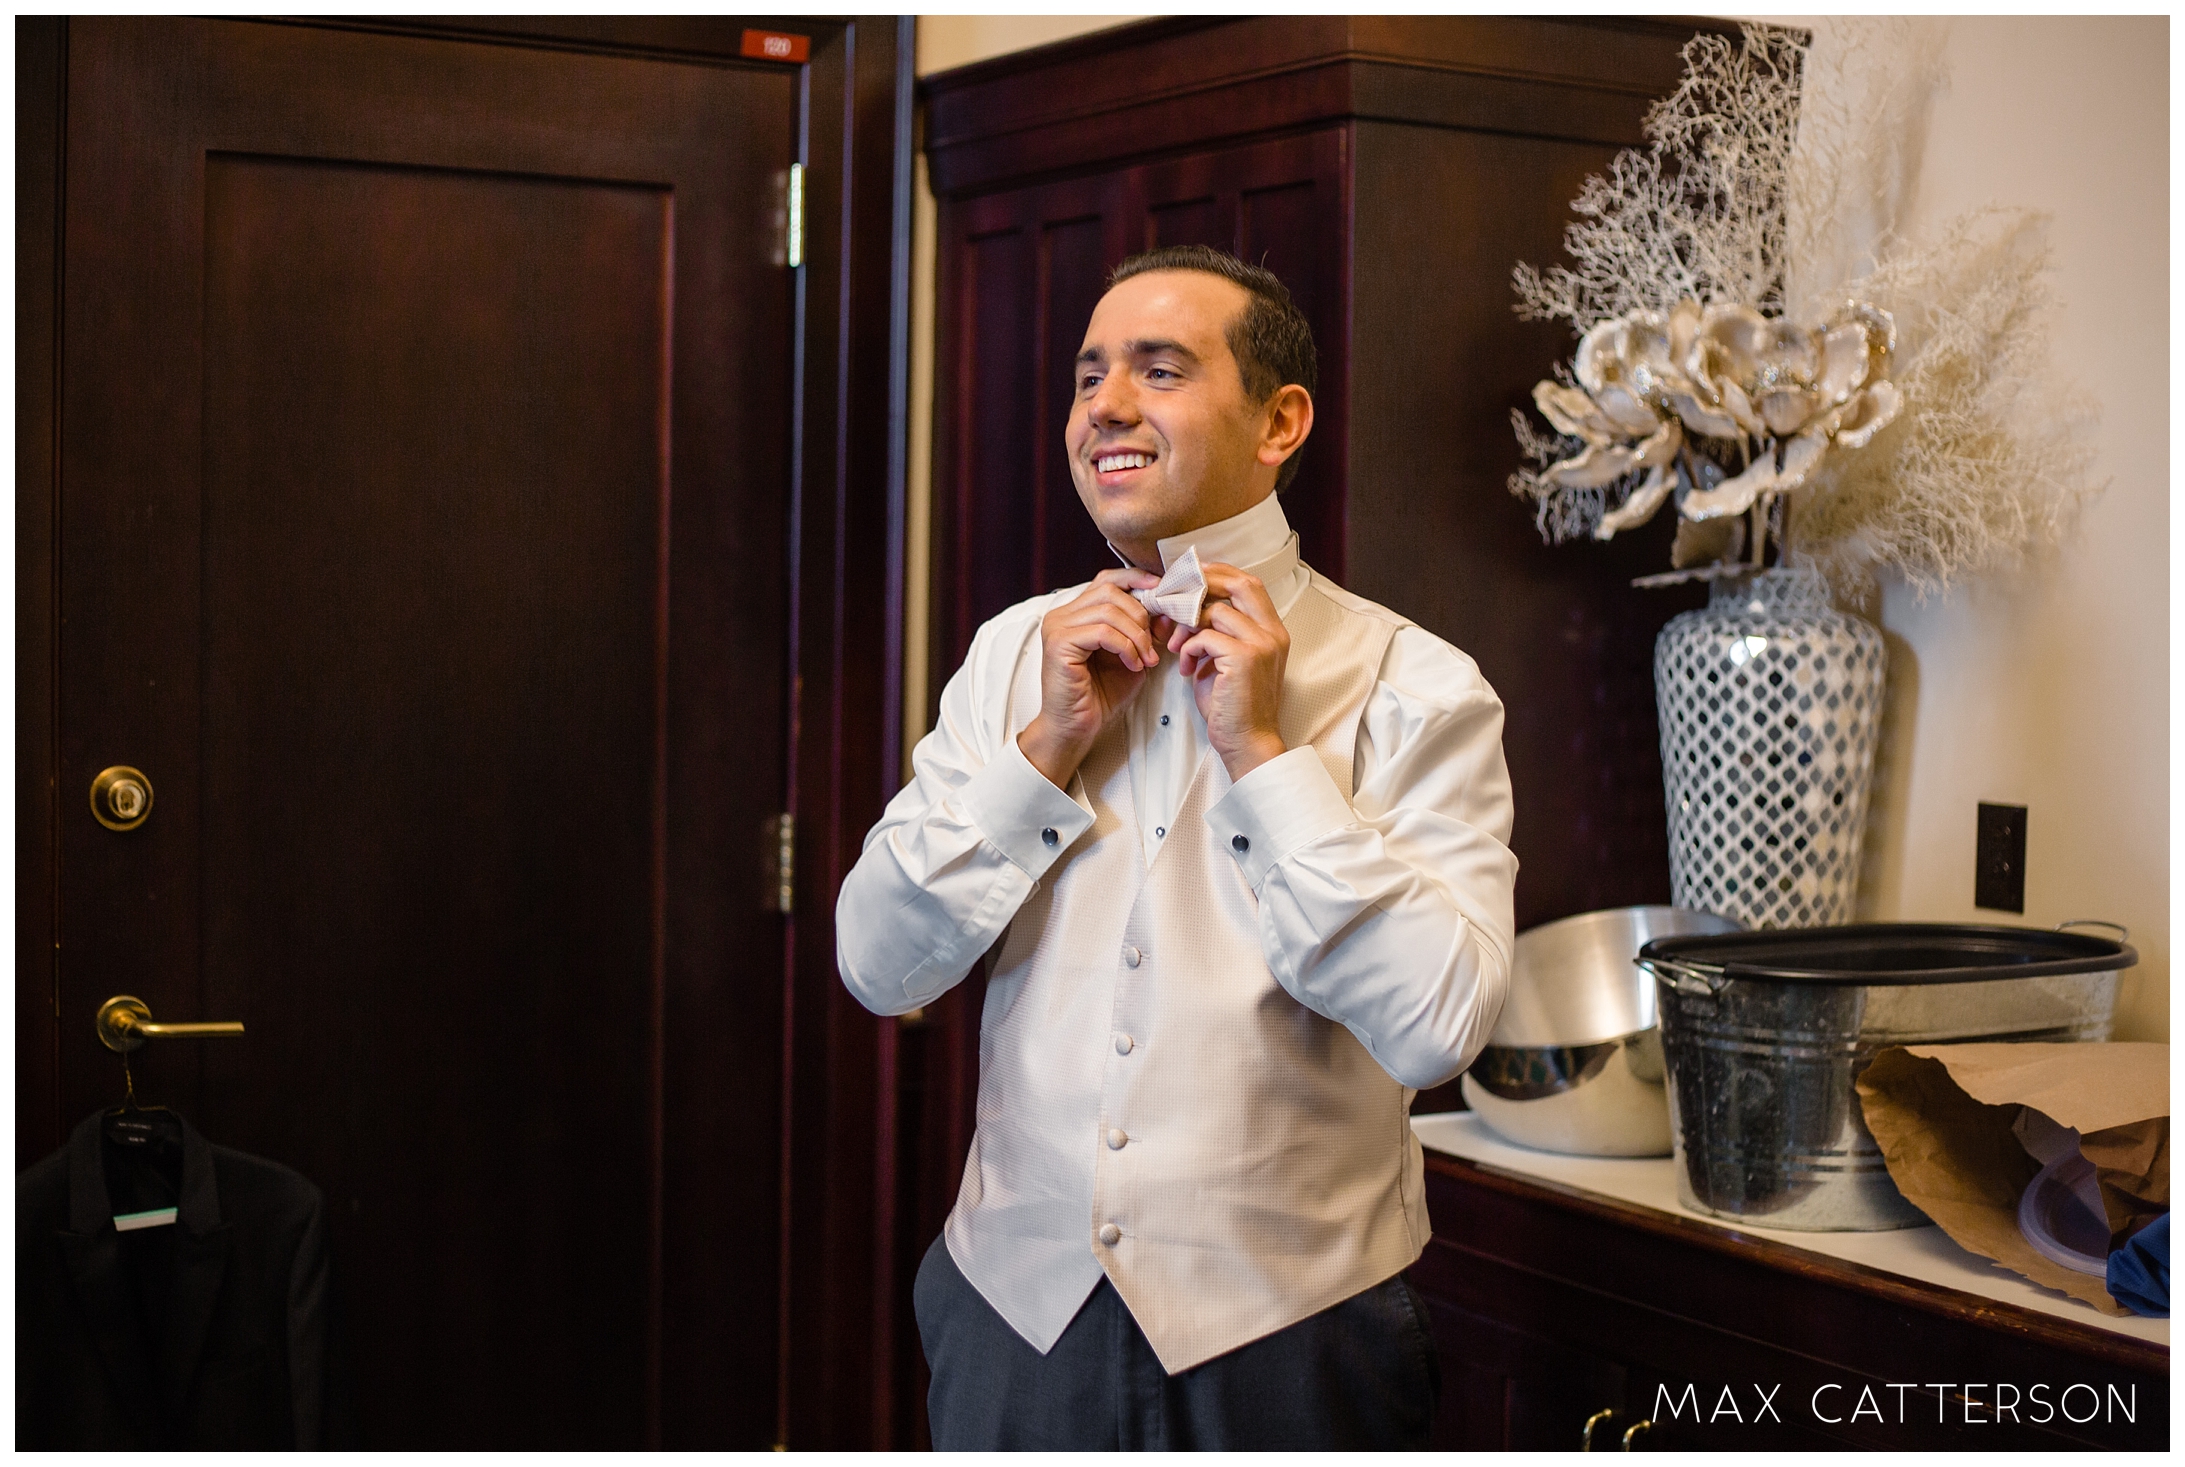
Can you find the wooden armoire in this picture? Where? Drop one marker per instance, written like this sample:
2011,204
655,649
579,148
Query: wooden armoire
1391,170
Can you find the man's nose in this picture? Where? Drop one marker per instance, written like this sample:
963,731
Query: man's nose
1112,402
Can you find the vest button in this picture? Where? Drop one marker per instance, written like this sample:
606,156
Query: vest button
1110,1234
1050,838
1131,956
1237,843
1116,1139
1124,1044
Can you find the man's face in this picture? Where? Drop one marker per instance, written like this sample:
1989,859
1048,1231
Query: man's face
1162,438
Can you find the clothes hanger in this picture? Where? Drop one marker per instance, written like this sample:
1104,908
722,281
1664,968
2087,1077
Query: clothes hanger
132,1125
142,1142
143,1137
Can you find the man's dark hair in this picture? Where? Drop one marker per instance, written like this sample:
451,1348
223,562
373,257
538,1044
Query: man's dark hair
1270,338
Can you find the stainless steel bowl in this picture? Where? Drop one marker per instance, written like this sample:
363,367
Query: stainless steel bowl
1575,1063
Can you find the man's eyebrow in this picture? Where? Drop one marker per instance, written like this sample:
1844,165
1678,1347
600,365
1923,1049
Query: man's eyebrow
1157,345
1152,346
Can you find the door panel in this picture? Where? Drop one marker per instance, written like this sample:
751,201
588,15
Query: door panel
425,463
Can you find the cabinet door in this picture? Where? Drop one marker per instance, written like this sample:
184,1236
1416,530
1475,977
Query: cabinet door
1505,1389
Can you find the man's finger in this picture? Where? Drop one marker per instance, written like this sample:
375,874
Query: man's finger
1110,620
1207,645
1240,589
1228,617
1083,640
1127,577
1109,593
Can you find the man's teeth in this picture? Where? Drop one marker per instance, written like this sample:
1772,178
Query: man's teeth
1109,463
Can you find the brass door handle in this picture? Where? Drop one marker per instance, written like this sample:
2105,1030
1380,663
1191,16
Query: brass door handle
125,1023
1606,1413
1636,1428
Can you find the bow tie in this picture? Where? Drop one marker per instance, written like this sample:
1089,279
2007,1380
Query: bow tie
1181,596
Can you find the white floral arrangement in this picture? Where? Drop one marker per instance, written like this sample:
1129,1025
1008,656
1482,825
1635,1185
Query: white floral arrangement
1740,338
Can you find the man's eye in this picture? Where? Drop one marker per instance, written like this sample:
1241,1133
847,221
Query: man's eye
1160,372
1087,383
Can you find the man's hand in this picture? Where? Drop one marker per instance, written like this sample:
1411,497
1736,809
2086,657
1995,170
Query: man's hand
1235,665
1094,653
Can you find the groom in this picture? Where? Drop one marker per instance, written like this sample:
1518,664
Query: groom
1247,887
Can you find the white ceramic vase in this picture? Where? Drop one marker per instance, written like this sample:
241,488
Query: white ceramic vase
1770,703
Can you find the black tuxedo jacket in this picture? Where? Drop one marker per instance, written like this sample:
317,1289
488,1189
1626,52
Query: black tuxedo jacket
215,1335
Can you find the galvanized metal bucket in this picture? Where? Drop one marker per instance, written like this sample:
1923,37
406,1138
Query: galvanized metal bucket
1764,1034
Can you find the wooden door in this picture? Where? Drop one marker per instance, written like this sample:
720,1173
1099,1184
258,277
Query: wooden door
424,459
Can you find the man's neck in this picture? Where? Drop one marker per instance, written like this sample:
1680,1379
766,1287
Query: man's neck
1227,535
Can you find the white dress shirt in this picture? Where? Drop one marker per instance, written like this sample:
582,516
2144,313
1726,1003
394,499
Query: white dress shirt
1371,892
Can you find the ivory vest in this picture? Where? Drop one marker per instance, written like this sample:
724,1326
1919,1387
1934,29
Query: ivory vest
1231,1160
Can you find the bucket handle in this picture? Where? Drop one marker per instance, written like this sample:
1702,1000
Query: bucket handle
1692,979
2124,933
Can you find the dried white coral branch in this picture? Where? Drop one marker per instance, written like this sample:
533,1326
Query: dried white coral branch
1699,213
1865,99
1991,457
1559,512
1769,202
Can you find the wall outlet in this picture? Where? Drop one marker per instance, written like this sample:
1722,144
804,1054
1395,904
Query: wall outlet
1999,876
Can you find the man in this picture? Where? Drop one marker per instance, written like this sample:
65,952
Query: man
1247,886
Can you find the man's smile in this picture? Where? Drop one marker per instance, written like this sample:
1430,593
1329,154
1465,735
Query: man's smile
1122,461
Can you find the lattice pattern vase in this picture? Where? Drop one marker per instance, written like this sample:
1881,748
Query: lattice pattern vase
1770,704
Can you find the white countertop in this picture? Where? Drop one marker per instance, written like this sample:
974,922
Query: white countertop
1923,1253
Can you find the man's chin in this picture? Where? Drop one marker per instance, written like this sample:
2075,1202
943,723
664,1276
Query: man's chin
1124,516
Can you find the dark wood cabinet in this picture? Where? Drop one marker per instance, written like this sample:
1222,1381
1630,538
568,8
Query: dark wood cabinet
1550,1305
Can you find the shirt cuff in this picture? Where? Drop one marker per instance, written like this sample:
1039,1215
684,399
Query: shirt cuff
1020,812
1286,803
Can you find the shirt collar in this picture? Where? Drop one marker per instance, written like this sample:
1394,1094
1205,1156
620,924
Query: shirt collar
1242,540
1259,540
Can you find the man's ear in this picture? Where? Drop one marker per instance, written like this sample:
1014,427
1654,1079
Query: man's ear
1285,423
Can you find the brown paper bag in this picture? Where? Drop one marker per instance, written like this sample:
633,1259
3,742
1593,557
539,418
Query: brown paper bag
1943,1114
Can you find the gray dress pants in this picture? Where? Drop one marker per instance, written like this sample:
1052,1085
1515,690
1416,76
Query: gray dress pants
1361,1374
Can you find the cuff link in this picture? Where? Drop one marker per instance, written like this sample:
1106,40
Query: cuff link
1049,838
1239,844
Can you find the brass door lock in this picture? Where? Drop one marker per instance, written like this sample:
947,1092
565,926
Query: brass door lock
121,797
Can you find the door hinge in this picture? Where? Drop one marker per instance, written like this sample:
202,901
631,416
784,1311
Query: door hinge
796,215
781,863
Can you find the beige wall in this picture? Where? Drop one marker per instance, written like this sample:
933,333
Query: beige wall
2050,689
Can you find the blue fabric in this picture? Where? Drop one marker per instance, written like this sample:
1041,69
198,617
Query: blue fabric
2139,1272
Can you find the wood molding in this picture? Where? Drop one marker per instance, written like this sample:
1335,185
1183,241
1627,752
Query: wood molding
1120,95
41,47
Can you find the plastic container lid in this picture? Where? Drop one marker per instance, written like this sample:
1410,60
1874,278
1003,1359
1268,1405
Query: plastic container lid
1893,952
2060,1214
